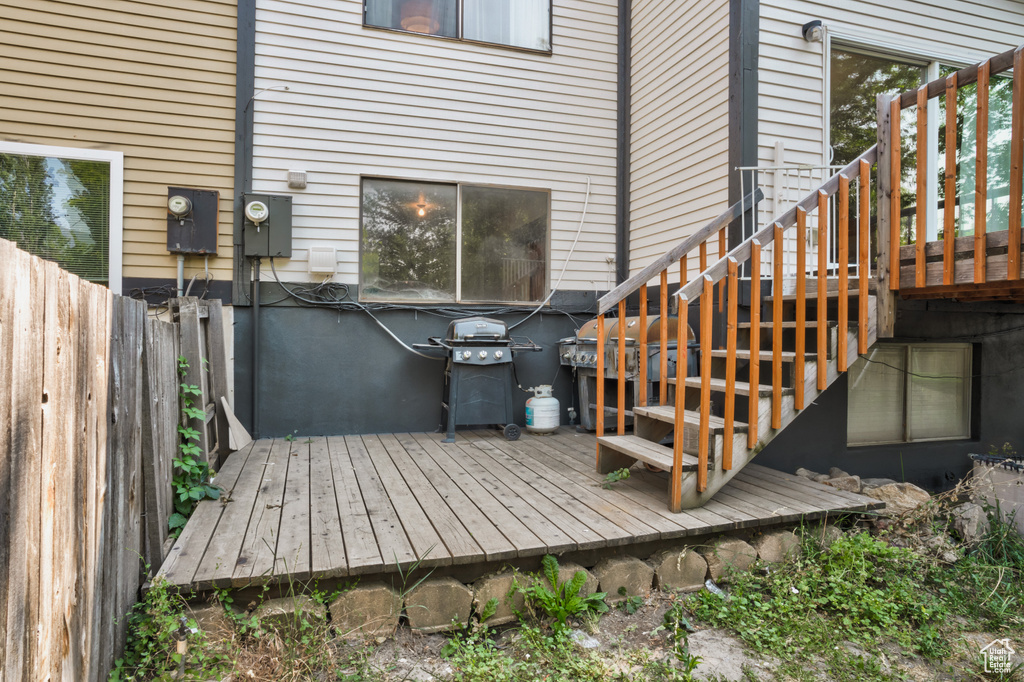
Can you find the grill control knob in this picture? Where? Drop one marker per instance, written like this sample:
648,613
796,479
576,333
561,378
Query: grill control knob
483,355
498,355
466,354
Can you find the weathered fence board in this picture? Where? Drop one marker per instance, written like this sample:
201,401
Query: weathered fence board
88,431
160,414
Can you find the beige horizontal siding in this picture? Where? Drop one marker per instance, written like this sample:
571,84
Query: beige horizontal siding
679,132
364,101
154,80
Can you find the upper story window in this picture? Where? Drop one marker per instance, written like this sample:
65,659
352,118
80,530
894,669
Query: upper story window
435,242
517,23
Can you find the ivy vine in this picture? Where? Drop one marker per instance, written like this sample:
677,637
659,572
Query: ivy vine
191,475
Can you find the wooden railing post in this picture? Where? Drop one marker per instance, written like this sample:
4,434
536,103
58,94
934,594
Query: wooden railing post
863,257
981,177
663,341
641,369
885,298
730,363
676,489
921,215
949,212
620,372
801,307
843,239
822,290
1016,166
705,384
599,381
776,331
755,341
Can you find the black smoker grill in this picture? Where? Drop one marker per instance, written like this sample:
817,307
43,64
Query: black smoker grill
478,377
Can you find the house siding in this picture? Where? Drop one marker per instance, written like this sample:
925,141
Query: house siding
679,122
792,72
369,102
153,80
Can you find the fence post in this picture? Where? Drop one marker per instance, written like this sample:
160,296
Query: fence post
886,186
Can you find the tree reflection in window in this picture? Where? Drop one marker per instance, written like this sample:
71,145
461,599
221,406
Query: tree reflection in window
408,240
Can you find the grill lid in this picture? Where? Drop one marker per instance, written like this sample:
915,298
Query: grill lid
589,330
477,329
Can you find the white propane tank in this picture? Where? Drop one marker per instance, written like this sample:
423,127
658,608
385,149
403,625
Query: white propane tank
542,411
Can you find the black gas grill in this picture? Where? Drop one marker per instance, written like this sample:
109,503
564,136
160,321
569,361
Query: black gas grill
478,377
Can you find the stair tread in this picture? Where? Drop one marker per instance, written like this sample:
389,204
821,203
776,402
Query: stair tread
646,451
787,355
667,413
791,324
742,387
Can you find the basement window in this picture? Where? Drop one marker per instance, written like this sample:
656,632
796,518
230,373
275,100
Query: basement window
452,243
910,392
523,24
64,204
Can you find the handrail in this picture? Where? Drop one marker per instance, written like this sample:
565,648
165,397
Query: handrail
619,293
766,234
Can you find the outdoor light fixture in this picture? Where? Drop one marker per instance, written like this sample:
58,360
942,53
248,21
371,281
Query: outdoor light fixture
417,16
423,209
814,31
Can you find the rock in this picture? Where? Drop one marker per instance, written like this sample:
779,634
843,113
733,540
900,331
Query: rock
498,586
820,478
287,612
566,572
899,498
616,573
214,620
970,522
875,482
777,546
438,604
369,610
847,483
679,569
584,640
807,473
728,555
949,556
836,472
826,534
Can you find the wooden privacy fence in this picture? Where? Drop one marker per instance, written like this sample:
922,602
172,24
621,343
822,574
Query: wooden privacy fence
88,429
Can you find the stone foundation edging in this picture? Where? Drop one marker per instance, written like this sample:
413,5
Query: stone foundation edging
437,604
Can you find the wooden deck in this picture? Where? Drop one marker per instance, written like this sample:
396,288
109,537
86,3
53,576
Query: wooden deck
355,505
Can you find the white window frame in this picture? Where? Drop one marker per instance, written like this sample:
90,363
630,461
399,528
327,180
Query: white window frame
458,241
116,161
907,398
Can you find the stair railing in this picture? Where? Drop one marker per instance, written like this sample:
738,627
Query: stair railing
943,267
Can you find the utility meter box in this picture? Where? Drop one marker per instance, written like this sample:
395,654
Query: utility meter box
192,220
267,225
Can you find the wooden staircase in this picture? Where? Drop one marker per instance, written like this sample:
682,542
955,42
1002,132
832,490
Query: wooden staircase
655,424
788,347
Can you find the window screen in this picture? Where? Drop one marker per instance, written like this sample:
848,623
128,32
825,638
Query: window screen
58,209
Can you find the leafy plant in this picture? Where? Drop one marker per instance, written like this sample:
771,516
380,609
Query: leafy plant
191,475
630,604
615,477
164,643
563,600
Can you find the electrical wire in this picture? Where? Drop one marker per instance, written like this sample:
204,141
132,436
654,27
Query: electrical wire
568,256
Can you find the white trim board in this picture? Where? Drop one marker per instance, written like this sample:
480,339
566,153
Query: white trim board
116,161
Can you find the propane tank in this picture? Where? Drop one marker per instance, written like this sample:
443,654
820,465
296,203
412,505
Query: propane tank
542,411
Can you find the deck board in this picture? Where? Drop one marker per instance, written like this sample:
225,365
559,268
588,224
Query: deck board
330,507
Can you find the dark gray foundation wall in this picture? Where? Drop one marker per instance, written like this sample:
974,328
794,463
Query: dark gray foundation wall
817,439
324,372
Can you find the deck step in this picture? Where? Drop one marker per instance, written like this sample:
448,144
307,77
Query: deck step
667,414
766,355
742,387
644,450
791,324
